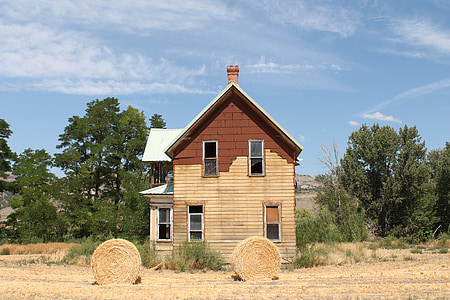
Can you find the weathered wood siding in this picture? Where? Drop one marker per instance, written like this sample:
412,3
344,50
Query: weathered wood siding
234,202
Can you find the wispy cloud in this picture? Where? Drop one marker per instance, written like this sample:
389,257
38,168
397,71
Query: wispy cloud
379,116
353,123
322,15
134,16
423,34
270,67
41,56
414,93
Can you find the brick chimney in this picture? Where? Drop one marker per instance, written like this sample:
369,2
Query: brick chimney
233,74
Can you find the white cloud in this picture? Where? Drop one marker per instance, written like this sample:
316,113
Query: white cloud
422,33
379,116
328,16
270,67
353,123
302,138
133,16
72,62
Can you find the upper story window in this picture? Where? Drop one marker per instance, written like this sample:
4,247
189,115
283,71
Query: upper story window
210,159
256,157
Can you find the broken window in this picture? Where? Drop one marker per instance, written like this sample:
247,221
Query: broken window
210,158
272,222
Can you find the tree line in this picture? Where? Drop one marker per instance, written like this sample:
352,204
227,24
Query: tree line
99,195
386,182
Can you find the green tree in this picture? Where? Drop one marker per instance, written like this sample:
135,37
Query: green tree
387,172
349,219
101,155
157,121
6,155
439,161
36,215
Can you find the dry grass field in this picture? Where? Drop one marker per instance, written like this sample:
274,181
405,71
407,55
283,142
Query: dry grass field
387,274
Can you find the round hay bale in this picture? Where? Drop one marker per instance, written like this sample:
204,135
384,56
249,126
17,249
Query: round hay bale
116,261
256,258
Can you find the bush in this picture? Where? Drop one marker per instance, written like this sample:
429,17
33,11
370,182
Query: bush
320,227
351,225
310,257
5,251
148,253
195,255
82,253
391,242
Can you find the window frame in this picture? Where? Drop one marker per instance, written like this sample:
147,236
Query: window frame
278,206
158,223
202,214
250,157
204,159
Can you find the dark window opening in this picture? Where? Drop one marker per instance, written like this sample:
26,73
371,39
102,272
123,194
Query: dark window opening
210,158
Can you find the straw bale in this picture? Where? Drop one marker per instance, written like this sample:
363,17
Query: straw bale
256,258
116,261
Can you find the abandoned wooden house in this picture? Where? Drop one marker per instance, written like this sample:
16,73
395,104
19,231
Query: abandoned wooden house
228,175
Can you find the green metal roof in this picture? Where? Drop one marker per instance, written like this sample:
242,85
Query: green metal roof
166,189
158,140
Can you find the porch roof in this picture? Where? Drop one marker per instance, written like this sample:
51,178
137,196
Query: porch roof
166,189
158,140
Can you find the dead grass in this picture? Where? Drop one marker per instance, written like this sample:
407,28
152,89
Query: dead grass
424,276
41,248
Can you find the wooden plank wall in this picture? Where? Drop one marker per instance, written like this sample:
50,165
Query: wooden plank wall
234,202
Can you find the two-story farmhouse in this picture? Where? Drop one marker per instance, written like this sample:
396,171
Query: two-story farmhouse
233,176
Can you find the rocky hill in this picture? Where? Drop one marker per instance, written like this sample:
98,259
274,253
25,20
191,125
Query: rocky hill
306,182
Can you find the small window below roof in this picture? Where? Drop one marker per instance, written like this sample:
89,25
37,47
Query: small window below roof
256,157
210,159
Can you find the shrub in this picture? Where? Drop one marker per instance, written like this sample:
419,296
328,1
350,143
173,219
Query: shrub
320,227
391,242
81,253
310,257
352,225
148,253
5,251
195,255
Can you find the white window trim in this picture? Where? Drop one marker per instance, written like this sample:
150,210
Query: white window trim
217,158
203,221
171,223
250,159
279,221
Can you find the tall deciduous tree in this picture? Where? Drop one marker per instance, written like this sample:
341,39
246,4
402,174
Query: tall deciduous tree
101,155
6,155
440,171
349,218
387,172
36,216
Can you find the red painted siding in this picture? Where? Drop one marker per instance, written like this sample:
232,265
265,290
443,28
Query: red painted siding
232,124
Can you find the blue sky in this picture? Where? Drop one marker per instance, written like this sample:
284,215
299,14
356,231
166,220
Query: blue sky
320,68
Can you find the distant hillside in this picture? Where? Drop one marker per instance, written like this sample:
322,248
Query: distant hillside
5,207
306,182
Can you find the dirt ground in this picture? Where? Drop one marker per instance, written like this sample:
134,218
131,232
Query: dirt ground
395,274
